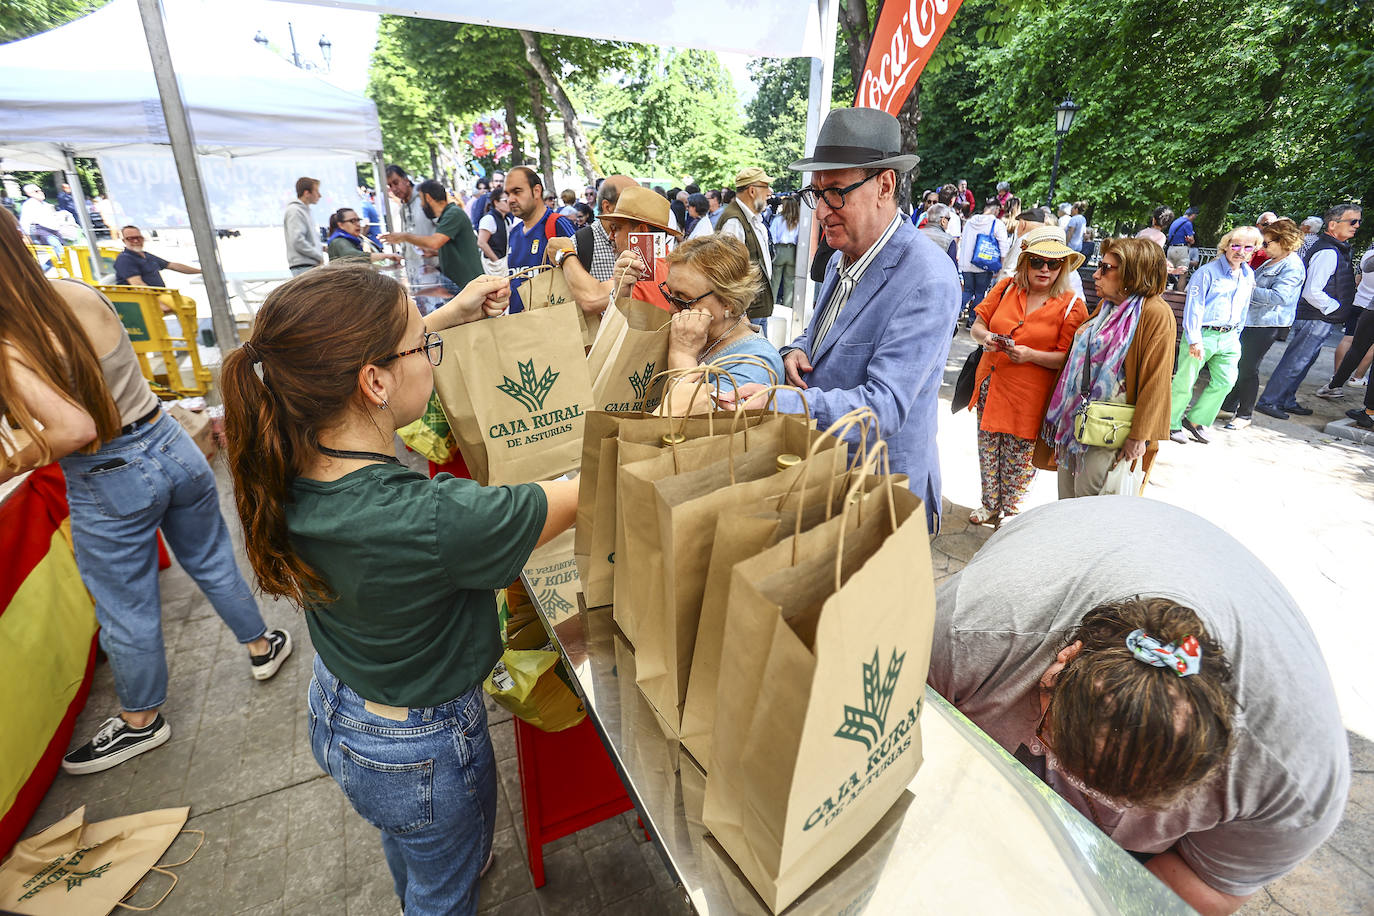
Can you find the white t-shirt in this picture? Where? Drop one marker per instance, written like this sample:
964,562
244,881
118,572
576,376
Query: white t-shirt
1001,621
488,222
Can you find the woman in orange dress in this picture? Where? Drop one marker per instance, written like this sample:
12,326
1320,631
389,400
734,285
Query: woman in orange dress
1025,326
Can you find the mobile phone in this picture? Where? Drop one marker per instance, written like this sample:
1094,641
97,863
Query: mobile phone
653,249
109,465
1001,342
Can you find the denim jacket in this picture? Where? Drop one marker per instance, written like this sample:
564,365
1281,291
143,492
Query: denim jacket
1277,287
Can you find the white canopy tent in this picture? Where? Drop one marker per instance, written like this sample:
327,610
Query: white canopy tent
91,88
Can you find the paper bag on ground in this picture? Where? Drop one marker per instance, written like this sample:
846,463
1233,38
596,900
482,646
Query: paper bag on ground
623,364
516,392
820,689
548,288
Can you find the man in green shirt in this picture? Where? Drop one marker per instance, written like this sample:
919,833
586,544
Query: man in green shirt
453,238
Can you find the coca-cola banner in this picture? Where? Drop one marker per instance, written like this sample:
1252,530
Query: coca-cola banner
903,41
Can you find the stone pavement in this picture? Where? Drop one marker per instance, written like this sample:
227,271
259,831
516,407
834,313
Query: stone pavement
281,839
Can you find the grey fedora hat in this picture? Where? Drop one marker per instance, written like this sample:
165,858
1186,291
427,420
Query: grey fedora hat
853,138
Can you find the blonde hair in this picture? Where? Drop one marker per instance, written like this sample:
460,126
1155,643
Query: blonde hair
1230,237
1022,277
724,262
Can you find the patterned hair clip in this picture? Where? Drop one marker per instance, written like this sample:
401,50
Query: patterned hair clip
1185,656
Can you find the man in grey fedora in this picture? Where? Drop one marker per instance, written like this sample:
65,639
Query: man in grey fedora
880,333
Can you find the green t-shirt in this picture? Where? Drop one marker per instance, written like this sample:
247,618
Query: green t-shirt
414,563
459,259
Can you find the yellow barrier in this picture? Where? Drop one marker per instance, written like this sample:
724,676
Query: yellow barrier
141,309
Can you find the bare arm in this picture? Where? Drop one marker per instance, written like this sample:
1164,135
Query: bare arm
484,243
432,242
182,268
562,499
1170,868
66,426
591,295
134,281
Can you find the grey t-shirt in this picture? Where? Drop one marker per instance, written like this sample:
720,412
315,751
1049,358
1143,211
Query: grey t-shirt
1001,621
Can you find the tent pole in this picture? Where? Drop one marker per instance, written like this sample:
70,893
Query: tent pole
188,170
79,196
379,177
817,107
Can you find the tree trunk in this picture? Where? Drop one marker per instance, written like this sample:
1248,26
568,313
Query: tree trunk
541,128
517,153
1212,198
909,118
433,160
857,34
560,98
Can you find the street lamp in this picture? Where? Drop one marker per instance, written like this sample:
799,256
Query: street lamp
261,39
1064,114
653,156
326,51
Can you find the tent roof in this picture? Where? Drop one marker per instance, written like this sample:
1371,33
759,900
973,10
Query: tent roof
90,85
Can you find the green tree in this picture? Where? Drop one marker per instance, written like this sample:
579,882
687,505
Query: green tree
25,18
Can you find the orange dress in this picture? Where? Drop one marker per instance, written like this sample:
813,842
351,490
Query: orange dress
1019,393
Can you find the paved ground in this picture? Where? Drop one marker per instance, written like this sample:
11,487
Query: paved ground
281,839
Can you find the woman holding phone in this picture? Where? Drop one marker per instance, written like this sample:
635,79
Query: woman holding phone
396,572
1024,326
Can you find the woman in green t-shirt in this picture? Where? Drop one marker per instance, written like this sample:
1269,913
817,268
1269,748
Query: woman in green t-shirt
396,572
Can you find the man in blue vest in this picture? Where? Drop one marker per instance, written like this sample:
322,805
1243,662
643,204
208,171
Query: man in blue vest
1327,298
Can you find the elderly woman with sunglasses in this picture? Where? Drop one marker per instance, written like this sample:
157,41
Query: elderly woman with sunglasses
711,282
1128,349
1218,301
1025,326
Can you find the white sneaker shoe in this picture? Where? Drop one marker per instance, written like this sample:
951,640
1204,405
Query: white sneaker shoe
1331,394
1360,382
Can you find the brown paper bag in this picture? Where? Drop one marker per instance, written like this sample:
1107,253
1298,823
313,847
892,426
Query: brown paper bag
685,507
80,869
516,392
547,287
822,678
198,426
622,364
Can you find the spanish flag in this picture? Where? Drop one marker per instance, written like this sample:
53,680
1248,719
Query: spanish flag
47,645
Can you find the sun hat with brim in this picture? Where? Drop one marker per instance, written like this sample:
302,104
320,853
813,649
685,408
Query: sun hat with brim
858,138
1049,242
643,205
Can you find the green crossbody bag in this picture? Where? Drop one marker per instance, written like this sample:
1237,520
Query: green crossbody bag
1103,424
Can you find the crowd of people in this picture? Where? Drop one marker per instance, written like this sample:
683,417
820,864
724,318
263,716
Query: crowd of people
1121,682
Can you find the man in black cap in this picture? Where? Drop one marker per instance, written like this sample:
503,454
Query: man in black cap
880,333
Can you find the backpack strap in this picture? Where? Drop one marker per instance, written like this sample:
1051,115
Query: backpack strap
551,224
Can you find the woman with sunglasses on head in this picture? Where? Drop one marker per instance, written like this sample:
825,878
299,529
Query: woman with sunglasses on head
1024,326
1128,347
396,572
1218,302
347,241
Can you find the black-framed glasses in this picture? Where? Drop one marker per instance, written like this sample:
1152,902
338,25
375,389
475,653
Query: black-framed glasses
833,197
1106,268
677,301
1036,262
353,220
1353,222
433,348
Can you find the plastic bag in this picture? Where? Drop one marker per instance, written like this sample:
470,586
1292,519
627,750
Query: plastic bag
431,435
529,680
1124,479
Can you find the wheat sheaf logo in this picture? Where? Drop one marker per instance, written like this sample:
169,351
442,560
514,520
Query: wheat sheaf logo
640,381
867,725
552,602
531,390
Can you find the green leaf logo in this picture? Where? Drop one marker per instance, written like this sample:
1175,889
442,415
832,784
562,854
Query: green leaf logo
867,725
531,390
640,382
553,602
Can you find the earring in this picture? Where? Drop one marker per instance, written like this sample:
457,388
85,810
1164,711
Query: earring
386,405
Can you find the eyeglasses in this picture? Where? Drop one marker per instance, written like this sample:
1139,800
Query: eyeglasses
1036,263
678,302
1106,268
353,220
133,238
1353,222
1243,247
833,197
433,348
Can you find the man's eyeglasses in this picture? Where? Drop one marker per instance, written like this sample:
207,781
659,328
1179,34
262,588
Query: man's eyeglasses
833,197
678,302
133,238
1245,248
433,348
1353,222
1038,263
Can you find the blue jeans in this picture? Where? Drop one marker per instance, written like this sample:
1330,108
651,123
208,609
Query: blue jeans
976,286
159,480
1304,346
428,783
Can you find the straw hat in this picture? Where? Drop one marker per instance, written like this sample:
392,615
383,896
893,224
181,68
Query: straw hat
642,205
1049,242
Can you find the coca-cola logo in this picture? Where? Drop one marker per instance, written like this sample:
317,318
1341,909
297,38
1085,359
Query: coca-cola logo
902,44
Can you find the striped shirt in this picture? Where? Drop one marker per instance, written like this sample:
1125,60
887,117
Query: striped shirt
850,275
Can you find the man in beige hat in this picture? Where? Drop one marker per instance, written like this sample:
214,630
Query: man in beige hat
589,274
637,210
742,218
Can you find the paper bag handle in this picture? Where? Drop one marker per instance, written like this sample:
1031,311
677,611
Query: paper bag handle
857,490
860,417
163,869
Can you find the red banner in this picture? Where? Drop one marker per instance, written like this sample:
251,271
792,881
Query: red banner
903,41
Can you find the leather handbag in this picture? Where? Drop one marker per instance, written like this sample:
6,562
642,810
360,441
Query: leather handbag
1102,424
963,385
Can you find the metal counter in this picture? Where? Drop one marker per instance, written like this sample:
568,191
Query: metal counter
976,832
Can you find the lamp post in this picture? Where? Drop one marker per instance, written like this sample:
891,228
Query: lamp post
261,39
652,150
1063,119
326,51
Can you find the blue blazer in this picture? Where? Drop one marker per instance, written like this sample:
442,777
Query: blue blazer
887,351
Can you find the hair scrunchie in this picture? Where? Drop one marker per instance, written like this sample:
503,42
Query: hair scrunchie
1185,656
253,355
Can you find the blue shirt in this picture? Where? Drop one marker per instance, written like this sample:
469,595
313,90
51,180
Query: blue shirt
129,263
527,249
374,220
1179,230
1216,297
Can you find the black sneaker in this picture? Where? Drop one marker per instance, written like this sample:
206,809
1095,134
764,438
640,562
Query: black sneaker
1274,412
1298,410
1361,417
264,666
115,742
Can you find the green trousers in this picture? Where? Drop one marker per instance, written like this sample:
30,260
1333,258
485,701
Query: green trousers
1220,354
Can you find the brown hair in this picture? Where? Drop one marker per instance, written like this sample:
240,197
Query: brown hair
1144,270
306,184
50,341
1285,232
724,261
1134,732
312,336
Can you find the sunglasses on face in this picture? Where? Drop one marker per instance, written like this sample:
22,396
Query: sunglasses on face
433,348
1037,263
1243,247
678,302
1353,222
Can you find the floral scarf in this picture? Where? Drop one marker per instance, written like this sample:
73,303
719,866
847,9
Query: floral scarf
1104,340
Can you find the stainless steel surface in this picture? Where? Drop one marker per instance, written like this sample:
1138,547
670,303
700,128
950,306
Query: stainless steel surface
975,833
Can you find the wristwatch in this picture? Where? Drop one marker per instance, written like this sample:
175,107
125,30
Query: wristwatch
560,256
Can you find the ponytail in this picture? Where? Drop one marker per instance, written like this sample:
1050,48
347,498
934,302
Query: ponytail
295,378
